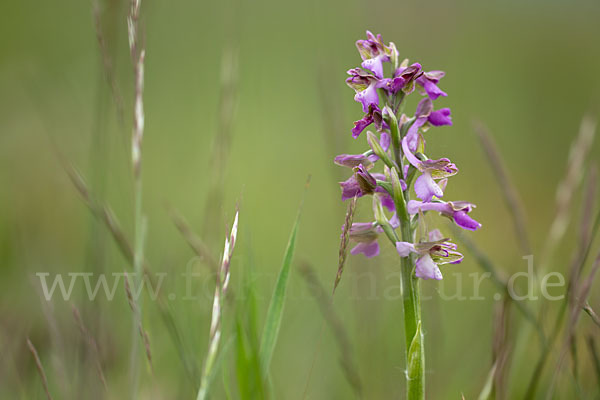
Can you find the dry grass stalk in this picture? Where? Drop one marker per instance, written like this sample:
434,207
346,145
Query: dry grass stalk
107,63
222,139
40,368
567,187
581,293
498,279
104,213
58,354
343,251
138,54
140,328
586,230
579,259
595,358
508,190
501,348
589,201
92,343
590,311
198,246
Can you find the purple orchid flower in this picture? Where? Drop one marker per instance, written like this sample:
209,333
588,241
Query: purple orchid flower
374,116
354,160
365,234
365,85
378,96
363,183
423,115
375,65
403,79
429,81
425,185
437,251
368,97
373,47
458,211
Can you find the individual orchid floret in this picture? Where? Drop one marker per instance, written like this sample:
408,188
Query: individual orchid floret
373,47
431,170
354,160
365,234
366,182
458,211
365,85
437,251
373,116
429,81
363,183
368,97
425,116
404,78
375,65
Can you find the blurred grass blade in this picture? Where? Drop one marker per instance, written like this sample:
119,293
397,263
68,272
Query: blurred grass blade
590,311
501,350
198,246
568,186
220,360
487,265
275,312
105,214
586,232
91,342
221,147
336,325
40,368
583,291
249,376
507,188
595,358
486,392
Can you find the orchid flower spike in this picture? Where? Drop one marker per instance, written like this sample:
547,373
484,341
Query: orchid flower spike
396,146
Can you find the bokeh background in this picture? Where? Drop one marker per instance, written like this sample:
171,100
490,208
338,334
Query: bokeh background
527,70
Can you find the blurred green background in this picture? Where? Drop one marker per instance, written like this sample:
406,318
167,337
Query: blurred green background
528,70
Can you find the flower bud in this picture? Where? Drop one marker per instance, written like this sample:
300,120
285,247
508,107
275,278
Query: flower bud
366,182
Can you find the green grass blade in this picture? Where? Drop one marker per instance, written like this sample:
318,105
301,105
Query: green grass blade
249,376
275,312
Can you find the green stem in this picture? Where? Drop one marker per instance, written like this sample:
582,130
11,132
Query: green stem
413,335
411,299
411,302
138,257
